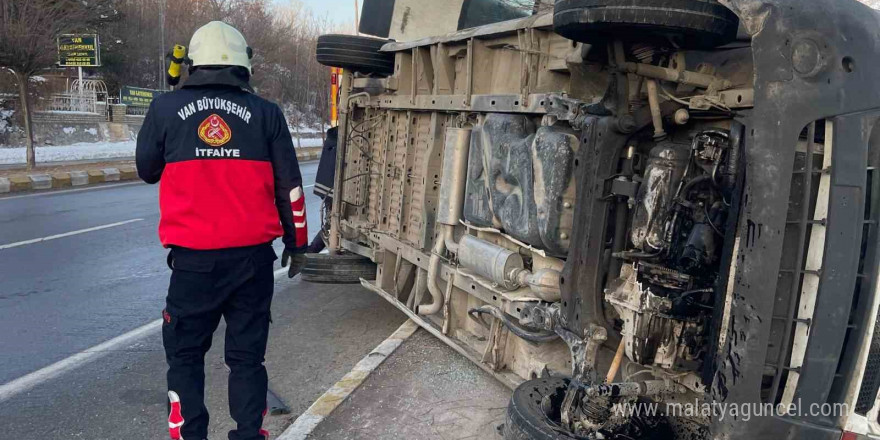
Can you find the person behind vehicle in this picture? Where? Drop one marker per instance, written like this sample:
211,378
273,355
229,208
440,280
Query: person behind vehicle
324,181
230,185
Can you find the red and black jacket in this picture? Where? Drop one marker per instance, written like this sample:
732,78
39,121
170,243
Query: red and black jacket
228,169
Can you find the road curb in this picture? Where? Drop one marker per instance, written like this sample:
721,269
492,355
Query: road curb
309,153
40,181
61,180
43,181
96,176
303,426
78,178
19,183
111,174
127,172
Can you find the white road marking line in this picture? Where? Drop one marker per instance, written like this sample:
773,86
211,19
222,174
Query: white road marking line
29,381
303,426
67,234
42,375
66,191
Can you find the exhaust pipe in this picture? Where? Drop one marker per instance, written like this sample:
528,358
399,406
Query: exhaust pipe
449,208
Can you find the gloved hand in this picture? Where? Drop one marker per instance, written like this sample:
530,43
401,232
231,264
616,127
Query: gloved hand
297,260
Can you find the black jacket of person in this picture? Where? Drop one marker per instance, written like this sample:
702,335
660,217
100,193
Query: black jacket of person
227,165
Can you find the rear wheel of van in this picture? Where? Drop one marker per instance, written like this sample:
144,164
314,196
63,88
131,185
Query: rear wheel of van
355,53
337,269
687,24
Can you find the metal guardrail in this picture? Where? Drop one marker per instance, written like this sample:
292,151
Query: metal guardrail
132,110
70,102
66,102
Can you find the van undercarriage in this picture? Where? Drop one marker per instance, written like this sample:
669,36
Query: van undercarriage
608,210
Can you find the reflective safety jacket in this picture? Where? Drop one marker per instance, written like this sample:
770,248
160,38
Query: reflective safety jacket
227,165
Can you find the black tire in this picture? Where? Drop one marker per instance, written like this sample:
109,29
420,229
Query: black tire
526,417
690,24
355,53
533,414
337,269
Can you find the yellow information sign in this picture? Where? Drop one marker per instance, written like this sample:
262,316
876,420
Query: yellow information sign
79,50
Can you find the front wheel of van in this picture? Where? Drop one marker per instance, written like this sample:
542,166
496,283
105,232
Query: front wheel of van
533,411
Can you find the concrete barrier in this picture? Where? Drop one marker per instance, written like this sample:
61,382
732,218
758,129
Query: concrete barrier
310,153
4,185
96,176
40,181
61,180
128,172
111,174
19,183
79,178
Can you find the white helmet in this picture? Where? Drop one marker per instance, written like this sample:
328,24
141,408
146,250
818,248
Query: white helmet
219,44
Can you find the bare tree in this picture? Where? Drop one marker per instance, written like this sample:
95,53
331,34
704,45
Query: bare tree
283,35
28,29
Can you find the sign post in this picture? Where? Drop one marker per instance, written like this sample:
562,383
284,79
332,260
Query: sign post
79,50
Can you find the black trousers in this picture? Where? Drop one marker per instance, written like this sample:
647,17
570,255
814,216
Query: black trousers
236,284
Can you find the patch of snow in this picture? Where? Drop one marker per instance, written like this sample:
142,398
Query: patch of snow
38,79
304,129
69,130
78,151
6,120
92,131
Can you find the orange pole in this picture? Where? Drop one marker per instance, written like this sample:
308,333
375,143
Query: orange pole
615,364
335,76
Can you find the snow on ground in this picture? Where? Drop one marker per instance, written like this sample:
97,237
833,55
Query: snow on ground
80,151
304,129
89,151
5,117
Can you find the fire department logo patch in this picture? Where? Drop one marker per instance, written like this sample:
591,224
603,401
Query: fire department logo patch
214,131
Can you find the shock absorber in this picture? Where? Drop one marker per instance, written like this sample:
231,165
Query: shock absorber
646,54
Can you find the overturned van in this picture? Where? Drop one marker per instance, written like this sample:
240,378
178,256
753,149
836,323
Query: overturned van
652,219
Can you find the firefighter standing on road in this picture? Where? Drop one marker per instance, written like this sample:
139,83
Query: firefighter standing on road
230,186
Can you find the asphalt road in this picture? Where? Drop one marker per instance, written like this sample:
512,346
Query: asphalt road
64,295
